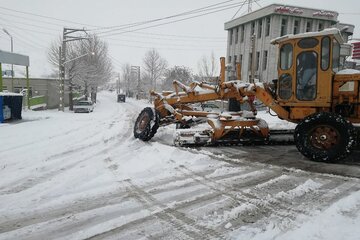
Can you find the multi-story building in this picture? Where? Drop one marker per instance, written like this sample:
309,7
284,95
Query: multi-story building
269,23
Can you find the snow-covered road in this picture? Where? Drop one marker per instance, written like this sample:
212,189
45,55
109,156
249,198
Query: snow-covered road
84,176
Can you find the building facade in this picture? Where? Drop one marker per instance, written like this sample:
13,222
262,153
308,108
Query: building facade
49,88
269,23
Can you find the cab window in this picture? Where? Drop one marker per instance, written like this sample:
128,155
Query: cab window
285,86
306,75
325,53
308,43
286,53
336,56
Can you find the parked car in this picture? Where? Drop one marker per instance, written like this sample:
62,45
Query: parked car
83,106
121,98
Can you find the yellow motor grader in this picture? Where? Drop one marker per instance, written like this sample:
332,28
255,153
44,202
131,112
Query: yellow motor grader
310,91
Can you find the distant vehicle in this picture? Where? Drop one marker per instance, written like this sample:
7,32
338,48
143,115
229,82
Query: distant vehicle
7,112
83,106
121,98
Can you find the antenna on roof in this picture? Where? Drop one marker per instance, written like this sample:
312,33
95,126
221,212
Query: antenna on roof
249,6
249,3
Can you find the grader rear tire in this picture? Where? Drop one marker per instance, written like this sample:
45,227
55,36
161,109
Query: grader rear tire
146,124
324,137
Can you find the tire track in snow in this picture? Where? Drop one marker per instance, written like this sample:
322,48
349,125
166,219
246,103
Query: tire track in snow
29,182
240,197
109,142
57,212
178,220
307,204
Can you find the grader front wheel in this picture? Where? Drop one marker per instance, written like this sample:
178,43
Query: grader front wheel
324,137
146,124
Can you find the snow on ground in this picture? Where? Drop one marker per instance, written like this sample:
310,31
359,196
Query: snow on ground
84,176
274,122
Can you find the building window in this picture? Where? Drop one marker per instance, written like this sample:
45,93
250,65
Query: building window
321,26
231,36
241,58
296,26
308,26
252,28
265,59
257,61
267,29
242,33
236,35
17,89
235,59
260,28
250,61
283,27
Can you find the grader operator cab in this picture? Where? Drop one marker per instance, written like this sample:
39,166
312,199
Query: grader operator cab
310,91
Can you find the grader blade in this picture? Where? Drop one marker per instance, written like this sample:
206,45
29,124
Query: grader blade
226,129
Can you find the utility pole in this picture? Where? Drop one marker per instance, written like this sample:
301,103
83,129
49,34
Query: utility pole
62,80
68,38
118,84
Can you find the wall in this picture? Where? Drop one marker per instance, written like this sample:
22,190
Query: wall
40,86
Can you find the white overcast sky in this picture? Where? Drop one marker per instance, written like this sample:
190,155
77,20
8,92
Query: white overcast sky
181,43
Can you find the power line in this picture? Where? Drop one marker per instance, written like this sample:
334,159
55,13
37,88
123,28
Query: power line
239,9
166,23
157,43
28,30
174,49
21,36
47,17
140,33
217,9
210,7
36,26
163,18
30,19
181,36
134,38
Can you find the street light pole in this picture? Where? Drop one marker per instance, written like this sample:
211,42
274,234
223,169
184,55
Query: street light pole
12,66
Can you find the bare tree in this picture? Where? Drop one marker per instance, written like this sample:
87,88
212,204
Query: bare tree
154,67
180,73
53,55
208,67
87,72
130,85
